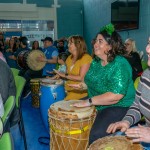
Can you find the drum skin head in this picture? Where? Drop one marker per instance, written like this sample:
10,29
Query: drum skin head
32,62
66,109
114,143
50,82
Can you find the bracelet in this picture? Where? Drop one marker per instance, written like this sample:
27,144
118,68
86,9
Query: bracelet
90,101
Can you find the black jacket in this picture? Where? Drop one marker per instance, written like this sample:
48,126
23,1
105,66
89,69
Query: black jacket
135,62
7,83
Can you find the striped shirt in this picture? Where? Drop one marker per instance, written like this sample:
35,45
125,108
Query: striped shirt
141,105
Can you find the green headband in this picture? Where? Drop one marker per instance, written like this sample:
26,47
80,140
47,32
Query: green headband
108,28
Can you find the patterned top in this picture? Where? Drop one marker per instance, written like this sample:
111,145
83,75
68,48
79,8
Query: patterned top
141,105
73,94
62,68
115,77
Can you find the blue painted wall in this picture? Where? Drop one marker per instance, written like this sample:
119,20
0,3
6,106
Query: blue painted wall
98,13
70,18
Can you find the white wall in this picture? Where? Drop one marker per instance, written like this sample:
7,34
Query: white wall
25,12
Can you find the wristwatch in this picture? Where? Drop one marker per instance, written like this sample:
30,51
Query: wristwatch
90,101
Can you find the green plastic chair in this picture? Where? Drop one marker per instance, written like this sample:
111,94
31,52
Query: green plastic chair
136,82
20,83
15,71
8,108
1,127
6,142
144,65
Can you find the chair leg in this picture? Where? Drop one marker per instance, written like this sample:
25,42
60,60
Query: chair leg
19,123
23,131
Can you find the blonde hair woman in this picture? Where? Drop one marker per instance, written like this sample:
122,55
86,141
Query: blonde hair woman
130,45
77,64
133,58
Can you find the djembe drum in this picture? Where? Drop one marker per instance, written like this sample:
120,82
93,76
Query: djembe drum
114,143
70,126
35,93
28,59
51,91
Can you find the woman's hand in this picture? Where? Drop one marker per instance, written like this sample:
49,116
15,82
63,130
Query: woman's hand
80,86
75,86
122,125
84,103
140,134
60,73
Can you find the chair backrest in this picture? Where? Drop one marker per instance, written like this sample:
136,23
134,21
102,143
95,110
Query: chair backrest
15,71
6,141
1,127
136,82
20,83
8,108
144,65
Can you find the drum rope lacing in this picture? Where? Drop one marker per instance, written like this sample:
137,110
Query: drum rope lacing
72,131
67,134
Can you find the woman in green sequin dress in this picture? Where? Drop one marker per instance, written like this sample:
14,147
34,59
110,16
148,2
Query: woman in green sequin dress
109,82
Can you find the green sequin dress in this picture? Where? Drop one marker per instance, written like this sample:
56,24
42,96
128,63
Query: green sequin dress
115,77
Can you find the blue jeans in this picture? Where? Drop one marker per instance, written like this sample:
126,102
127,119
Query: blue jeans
146,146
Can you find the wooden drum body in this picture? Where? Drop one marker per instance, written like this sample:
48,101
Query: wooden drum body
29,59
70,126
35,92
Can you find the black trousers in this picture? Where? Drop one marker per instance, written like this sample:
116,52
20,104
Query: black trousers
103,119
